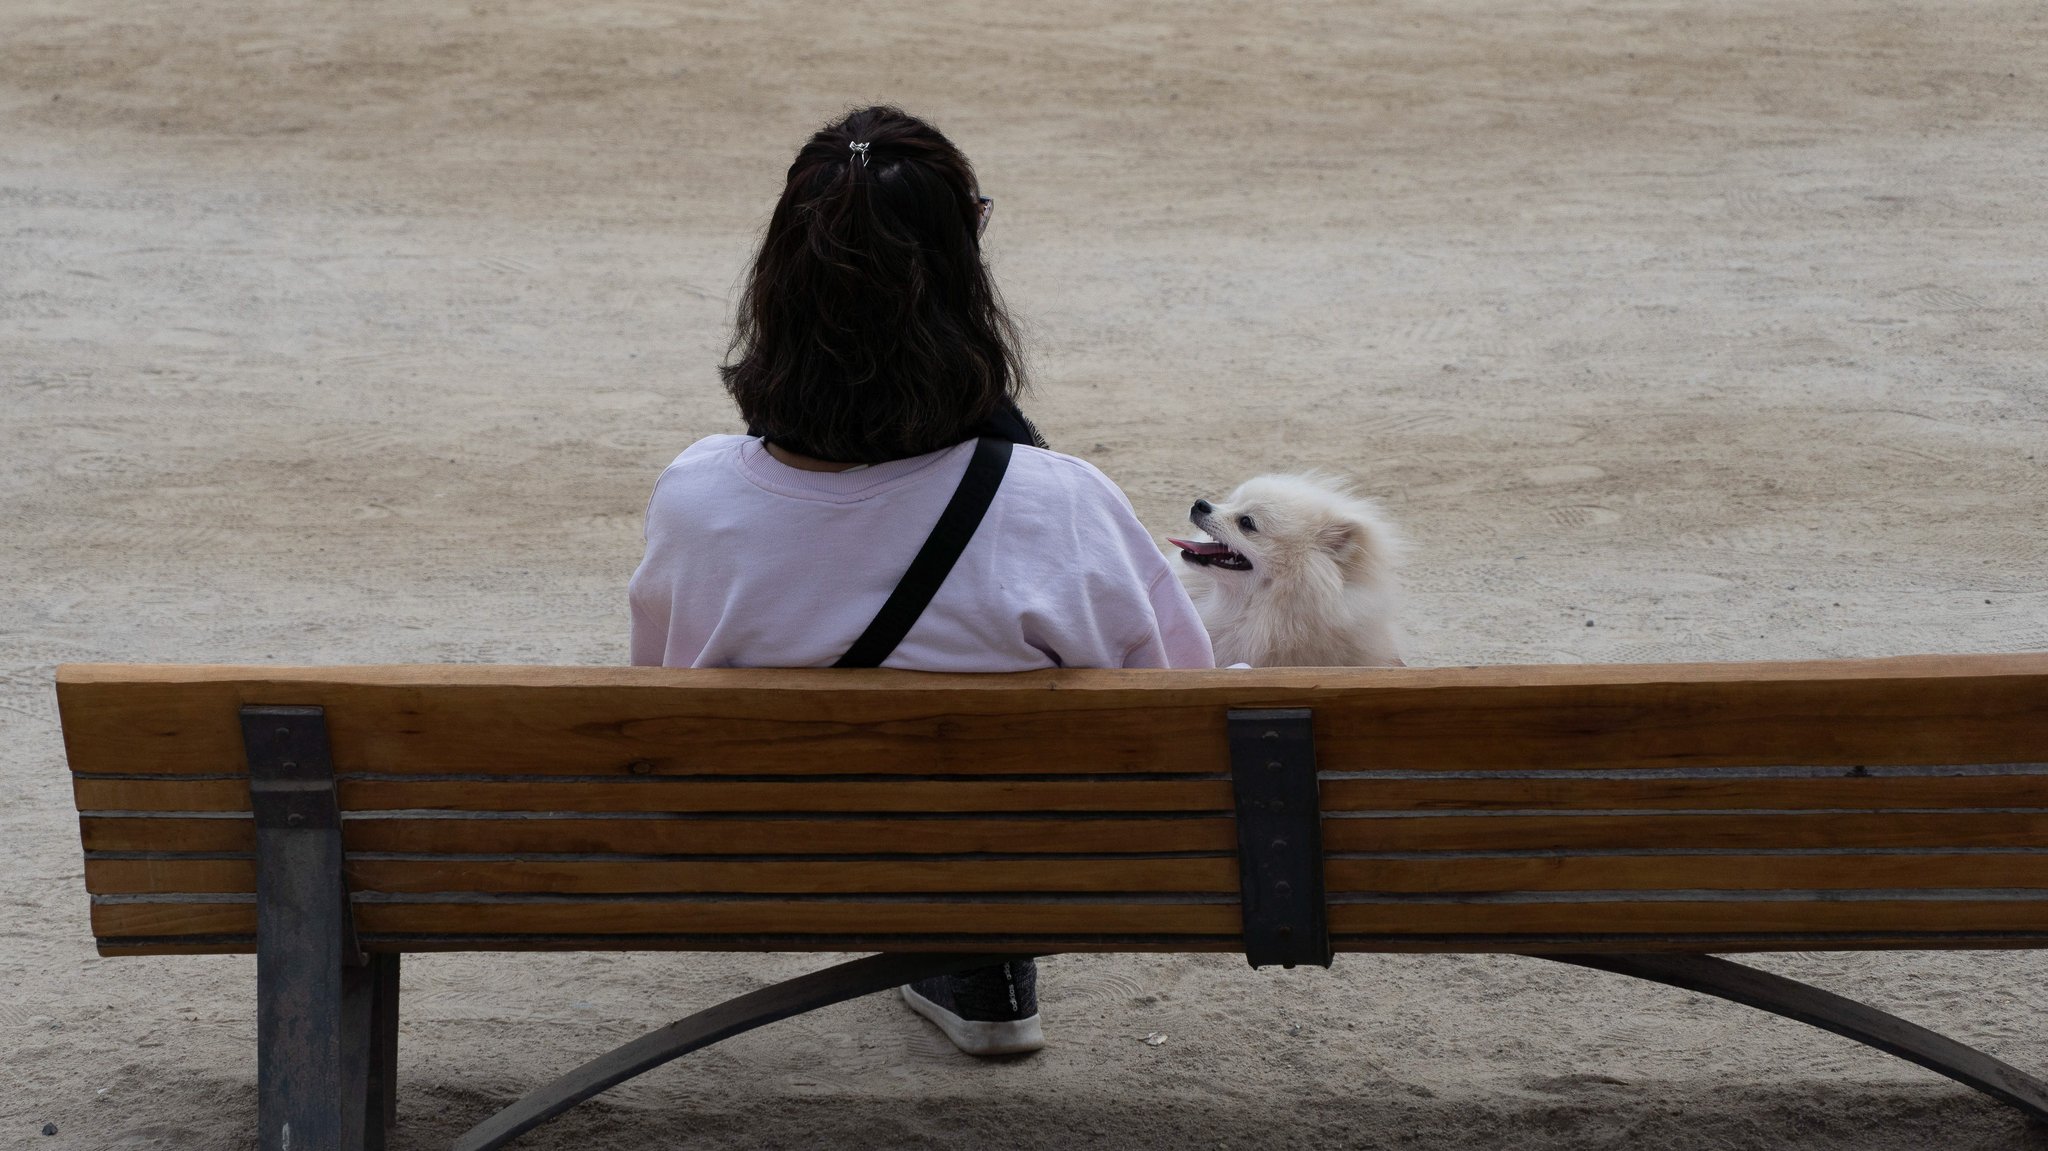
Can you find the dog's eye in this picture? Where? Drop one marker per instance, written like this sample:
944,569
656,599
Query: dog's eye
1246,523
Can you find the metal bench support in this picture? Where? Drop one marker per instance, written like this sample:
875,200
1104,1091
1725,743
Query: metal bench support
1710,975
1279,837
1705,974
326,1015
792,997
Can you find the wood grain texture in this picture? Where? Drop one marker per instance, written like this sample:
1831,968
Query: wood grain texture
1718,943
790,836
799,794
119,946
1649,873
767,916
167,833
626,721
980,944
1823,830
1653,918
635,730
1217,875
97,793
113,920
1696,943
170,876
1211,875
1449,921
1865,793
601,836
771,917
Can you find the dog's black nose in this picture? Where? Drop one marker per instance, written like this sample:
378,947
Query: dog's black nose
1202,508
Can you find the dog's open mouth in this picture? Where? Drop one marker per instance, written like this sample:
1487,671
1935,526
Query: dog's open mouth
1209,553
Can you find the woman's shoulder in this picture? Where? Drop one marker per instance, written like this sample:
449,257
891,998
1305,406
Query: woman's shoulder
702,470
1063,470
1076,477
719,446
711,451
1069,508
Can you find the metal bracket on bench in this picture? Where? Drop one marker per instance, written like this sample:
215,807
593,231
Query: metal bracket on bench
1279,837
326,1014
291,790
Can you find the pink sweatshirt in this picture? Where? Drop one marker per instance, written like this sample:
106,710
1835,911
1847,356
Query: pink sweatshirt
752,563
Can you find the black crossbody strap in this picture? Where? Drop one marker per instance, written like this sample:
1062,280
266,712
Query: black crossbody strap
936,558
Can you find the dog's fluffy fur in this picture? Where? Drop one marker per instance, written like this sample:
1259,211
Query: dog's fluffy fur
1296,571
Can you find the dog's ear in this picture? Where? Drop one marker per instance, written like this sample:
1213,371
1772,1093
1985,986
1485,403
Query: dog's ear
1341,538
1350,543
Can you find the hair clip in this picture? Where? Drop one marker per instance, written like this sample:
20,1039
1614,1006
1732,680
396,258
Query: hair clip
860,148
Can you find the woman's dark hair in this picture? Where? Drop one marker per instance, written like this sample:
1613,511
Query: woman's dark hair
869,329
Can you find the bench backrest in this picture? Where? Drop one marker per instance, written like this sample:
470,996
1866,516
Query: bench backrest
1704,807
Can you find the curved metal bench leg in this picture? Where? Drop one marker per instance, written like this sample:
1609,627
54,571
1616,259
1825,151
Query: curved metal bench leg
1846,1017
780,1001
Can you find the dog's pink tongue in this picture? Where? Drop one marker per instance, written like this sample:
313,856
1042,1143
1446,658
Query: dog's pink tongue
1200,548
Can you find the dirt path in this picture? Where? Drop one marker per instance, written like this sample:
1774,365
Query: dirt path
357,333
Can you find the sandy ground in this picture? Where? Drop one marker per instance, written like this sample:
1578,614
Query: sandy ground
357,333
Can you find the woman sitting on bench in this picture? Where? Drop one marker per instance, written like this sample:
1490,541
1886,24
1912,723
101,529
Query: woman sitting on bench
878,375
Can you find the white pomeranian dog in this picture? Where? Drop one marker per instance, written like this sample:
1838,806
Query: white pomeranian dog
1297,571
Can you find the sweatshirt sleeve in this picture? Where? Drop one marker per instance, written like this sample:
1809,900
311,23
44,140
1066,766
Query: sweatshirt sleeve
647,593
1179,640
650,627
1173,635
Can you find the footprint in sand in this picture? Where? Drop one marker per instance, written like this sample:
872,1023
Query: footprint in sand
1589,516
1562,474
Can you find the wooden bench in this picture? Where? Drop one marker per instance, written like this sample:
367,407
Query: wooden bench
1626,818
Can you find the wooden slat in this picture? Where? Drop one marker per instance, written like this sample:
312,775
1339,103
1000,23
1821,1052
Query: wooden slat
1097,795
699,795
409,943
770,917
767,916
1872,793
790,836
631,721
1869,793
169,876
1664,918
1202,874
101,794
112,920
578,877
625,721
1693,943
805,917
1120,944
240,945
1216,875
1686,872
166,833
1584,832
690,836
